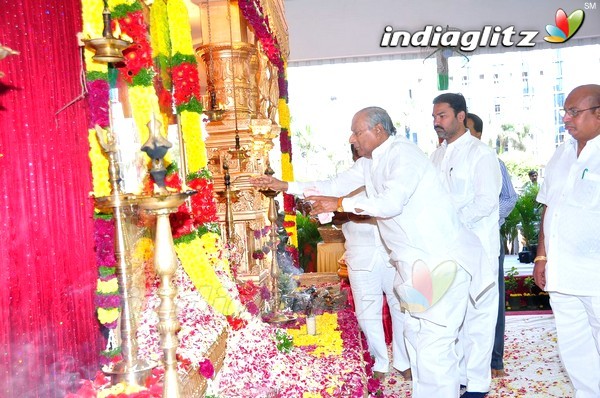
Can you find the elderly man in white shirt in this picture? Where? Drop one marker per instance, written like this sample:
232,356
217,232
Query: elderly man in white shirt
568,256
471,173
436,257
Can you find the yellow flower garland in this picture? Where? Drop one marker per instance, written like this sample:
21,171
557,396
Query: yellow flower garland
287,169
181,43
198,258
99,162
179,28
191,126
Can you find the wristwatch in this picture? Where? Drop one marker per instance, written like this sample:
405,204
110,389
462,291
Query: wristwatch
340,208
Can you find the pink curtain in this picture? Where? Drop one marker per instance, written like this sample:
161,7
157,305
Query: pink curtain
49,335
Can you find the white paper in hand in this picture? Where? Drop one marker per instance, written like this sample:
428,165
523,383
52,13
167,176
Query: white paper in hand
324,218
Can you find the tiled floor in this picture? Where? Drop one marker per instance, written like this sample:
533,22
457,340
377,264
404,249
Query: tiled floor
530,359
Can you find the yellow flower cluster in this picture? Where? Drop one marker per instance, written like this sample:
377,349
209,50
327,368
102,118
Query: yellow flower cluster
142,252
191,127
179,28
99,166
112,4
110,286
144,104
196,258
292,230
121,388
108,315
91,13
328,340
158,33
284,114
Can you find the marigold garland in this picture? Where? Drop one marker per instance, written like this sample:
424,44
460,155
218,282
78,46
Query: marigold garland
199,258
254,14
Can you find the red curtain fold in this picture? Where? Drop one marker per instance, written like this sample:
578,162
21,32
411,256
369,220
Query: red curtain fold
49,335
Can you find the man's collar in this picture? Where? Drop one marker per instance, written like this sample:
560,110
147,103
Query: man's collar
382,148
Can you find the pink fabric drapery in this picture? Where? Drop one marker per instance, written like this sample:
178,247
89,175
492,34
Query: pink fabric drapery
48,331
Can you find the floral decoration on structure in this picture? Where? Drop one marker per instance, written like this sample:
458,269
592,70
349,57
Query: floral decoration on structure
254,14
178,82
259,21
138,69
287,169
205,261
200,324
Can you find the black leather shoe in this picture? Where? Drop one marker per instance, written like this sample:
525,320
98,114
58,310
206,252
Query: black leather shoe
468,394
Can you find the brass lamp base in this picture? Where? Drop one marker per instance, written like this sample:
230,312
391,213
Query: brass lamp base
137,374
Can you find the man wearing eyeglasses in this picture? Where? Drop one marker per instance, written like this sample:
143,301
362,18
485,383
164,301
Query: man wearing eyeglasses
568,257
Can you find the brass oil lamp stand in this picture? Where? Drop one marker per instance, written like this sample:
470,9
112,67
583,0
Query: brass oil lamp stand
161,205
165,264
276,317
131,369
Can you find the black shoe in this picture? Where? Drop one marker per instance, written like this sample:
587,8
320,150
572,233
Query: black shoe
468,394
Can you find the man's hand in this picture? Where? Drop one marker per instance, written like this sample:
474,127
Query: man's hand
268,182
539,274
322,204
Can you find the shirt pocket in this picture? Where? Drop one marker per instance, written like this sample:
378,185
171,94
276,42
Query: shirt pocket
586,192
459,189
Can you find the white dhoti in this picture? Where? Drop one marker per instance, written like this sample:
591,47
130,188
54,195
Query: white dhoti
432,346
476,342
368,287
578,330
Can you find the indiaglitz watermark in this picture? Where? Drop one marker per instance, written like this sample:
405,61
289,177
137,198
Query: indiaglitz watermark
488,36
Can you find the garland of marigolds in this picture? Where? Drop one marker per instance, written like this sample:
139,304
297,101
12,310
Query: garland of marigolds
256,17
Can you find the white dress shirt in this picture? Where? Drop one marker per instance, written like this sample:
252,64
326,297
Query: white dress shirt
471,173
415,215
571,192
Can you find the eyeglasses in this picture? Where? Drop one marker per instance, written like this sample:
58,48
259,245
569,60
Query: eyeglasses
575,112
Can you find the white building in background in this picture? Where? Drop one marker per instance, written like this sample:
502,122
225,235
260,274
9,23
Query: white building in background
523,88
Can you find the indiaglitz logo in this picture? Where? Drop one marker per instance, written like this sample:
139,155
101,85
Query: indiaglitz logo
488,36
565,26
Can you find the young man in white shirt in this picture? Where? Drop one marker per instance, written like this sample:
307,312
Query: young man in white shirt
471,174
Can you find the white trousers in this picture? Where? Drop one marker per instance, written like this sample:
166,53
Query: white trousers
368,288
476,342
432,347
578,329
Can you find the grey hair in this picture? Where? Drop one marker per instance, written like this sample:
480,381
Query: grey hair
376,115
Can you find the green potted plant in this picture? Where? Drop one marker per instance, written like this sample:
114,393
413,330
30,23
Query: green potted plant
308,238
530,293
511,286
529,214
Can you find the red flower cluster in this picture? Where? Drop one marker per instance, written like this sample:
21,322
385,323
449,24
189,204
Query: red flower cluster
206,369
256,17
236,323
285,142
248,290
289,204
139,55
204,207
185,83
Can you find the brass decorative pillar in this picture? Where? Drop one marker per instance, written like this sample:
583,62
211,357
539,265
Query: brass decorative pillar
131,369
